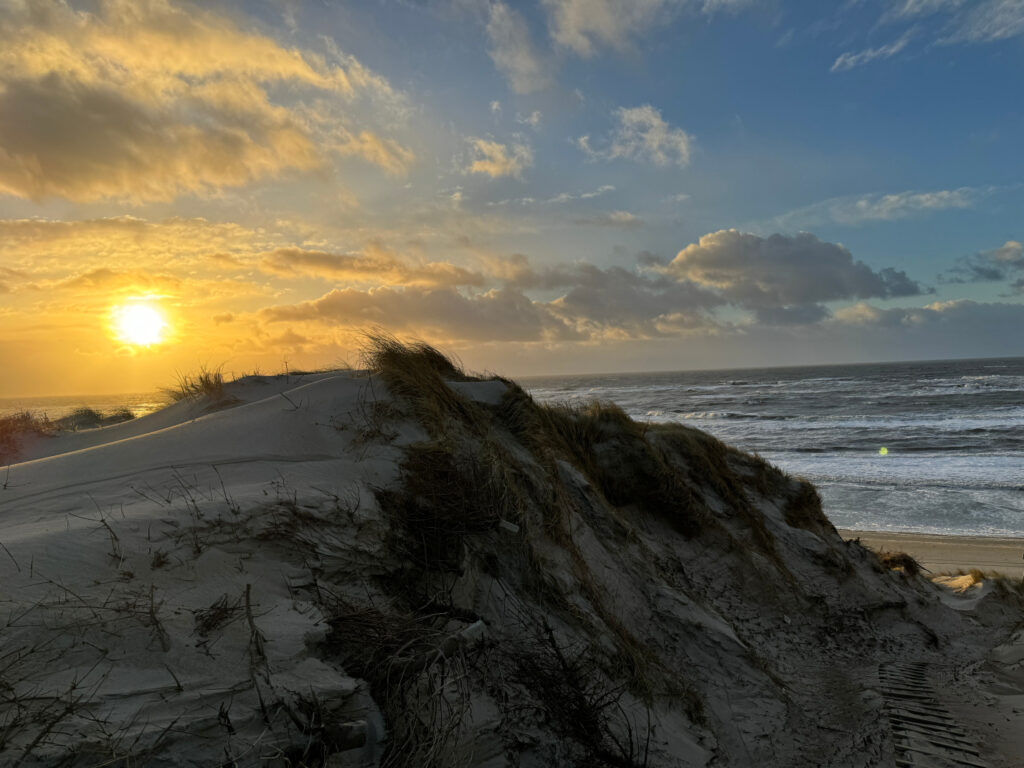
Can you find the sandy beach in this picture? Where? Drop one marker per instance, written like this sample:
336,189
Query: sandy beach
942,554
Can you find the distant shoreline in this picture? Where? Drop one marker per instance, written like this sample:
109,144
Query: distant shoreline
942,553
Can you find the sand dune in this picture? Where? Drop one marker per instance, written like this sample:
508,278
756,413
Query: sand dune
396,569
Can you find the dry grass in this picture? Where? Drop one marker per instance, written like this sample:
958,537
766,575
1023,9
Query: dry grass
15,428
416,674
803,509
89,418
444,498
582,703
221,612
611,449
193,386
901,561
416,373
1003,583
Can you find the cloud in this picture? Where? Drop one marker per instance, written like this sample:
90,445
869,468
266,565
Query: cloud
375,265
858,209
803,314
501,314
623,219
990,266
513,53
602,190
594,303
496,160
966,319
532,119
584,26
783,278
618,303
726,6
561,197
848,60
987,22
147,101
45,248
966,21
641,134
385,153
917,8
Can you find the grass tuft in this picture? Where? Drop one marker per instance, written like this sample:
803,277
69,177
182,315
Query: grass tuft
893,561
193,386
417,373
18,426
803,509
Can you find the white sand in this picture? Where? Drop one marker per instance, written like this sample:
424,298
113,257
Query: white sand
163,583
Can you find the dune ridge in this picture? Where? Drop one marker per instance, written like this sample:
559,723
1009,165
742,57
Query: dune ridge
410,566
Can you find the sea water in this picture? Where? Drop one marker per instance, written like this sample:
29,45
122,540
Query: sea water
953,433
53,408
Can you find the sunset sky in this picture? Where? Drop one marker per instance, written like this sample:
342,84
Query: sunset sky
545,186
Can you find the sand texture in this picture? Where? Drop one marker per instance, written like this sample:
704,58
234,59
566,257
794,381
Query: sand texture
413,569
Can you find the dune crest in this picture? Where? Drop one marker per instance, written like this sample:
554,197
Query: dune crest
413,567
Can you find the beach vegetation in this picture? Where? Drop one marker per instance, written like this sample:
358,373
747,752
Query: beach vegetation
15,428
204,383
500,487
899,561
417,373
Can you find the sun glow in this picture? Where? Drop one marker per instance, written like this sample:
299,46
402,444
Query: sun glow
139,324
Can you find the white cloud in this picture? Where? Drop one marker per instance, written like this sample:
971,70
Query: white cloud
532,119
623,219
584,26
561,197
967,21
513,53
496,160
859,209
642,135
604,189
847,61
987,22
917,8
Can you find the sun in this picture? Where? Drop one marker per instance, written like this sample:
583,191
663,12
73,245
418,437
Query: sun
139,324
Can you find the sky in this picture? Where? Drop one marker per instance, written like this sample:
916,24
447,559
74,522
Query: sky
538,187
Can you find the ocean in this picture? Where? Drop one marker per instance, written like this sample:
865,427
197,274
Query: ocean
56,407
953,433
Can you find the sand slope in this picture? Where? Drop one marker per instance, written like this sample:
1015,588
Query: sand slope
319,574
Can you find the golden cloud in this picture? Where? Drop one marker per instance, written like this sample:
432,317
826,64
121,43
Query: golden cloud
495,159
147,100
374,264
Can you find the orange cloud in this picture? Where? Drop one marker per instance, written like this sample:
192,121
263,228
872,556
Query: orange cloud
495,160
374,265
147,100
